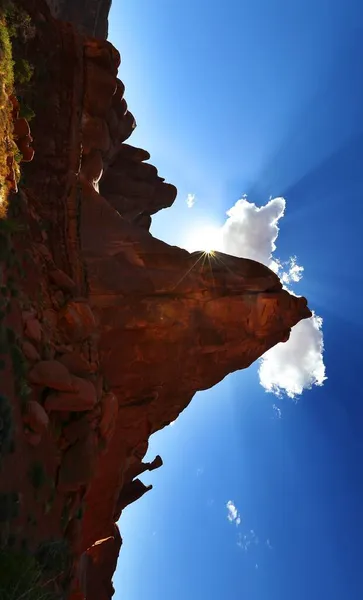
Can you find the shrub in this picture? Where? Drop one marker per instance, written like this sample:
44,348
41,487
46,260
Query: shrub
26,112
23,71
6,426
37,475
18,21
22,577
9,507
54,557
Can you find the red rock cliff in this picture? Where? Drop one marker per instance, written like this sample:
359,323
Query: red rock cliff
89,16
116,330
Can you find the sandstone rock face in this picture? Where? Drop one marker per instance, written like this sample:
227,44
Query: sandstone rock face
119,329
89,16
102,560
77,321
109,415
77,465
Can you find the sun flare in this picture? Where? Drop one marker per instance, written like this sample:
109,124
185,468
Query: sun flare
206,239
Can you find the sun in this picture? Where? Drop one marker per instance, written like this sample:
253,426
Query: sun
206,239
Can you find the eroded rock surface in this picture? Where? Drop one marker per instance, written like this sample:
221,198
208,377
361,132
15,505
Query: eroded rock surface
89,16
116,330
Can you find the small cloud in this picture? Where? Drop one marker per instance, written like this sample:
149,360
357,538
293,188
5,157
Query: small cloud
233,515
277,411
256,566
268,544
190,200
244,541
291,272
200,471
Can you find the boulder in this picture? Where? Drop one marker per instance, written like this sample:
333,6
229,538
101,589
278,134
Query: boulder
26,150
21,128
30,352
76,364
83,398
52,374
33,330
76,320
126,151
36,417
62,280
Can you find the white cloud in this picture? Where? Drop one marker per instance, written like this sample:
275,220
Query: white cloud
298,364
246,540
190,200
268,544
277,411
294,272
251,232
233,515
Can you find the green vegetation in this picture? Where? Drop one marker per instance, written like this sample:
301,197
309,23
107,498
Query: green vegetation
16,29
23,71
79,513
65,516
54,557
32,520
20,368
26,112
7,145
9,507
19,22
23,577
10,344
37,475
6,426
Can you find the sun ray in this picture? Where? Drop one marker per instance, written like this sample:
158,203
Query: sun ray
187,273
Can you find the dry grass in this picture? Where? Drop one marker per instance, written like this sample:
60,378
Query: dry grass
7,145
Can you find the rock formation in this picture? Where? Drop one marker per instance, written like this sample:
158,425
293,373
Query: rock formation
89,16
111,331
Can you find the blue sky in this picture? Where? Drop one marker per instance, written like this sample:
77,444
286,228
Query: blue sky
263,98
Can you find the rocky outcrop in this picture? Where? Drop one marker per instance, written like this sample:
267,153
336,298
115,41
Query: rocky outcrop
21,141
89,16
113,331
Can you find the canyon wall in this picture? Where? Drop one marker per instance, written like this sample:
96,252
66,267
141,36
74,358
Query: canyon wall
114,330
88,16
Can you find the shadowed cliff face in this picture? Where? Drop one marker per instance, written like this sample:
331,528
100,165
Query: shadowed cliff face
118,329
89,16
